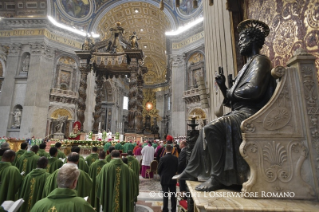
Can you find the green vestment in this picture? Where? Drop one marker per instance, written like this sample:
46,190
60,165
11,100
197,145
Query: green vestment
133,163
82,165
108,158
91,158
144,145
27,162
154,145
125,147
95,169
32,187
18,155
42,153
114,187
10,181
62,200
83,187
60,154
54,164
106,146
118,146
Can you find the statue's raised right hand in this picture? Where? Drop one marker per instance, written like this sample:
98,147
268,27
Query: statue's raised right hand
220,80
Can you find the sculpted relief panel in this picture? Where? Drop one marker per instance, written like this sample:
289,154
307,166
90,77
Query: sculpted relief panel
293,24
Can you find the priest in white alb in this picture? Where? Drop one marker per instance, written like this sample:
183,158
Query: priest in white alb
148,156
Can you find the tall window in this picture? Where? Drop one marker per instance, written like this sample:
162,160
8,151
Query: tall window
169,103
125,103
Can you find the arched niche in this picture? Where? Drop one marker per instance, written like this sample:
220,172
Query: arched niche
66,69
53,115
16,117
195,69
24,67
200,116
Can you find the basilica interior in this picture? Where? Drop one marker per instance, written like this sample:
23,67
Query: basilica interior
145,69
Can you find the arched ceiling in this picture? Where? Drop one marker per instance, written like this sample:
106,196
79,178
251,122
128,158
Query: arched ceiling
150,25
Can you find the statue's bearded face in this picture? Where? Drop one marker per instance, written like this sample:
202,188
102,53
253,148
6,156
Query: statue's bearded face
245,44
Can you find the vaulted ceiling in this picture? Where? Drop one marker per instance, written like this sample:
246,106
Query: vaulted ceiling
150,25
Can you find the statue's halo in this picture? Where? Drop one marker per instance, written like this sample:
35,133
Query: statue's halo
251,23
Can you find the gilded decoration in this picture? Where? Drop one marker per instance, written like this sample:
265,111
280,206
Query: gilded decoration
150,25
150,97
117,189
293,24
198,113
61,112
195,58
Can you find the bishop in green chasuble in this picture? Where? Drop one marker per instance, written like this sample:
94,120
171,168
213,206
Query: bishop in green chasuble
94,156
114,186
10,177
33,184
28,161
84,183
64,198
54,163
21,151
42,151
60,153
109,157
95,169
82,164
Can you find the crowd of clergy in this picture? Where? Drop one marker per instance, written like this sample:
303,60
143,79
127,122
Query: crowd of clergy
100,182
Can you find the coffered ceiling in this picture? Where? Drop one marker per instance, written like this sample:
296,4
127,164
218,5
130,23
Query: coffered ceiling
150,25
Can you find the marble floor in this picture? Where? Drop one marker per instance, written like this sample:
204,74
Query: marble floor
150,197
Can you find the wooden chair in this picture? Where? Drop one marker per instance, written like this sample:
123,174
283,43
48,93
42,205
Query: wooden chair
153,168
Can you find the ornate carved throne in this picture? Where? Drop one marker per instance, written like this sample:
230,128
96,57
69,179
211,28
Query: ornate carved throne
281,141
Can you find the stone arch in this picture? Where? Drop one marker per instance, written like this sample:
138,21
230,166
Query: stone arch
198,112
58,110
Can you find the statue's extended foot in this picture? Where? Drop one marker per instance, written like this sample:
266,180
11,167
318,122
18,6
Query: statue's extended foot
210,185
184,176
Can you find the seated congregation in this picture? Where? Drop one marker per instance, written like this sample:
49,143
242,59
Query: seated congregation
48,182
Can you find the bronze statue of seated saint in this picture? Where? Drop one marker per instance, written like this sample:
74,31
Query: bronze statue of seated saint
215,157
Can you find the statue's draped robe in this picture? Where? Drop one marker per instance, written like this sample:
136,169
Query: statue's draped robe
62,199
27,162
54,163
60,154
42,152
216,152
32,187
95,169
18,155
83,186
134,164
91,158
115,187
10,179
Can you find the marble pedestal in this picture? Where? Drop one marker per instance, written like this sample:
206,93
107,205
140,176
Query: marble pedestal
58,136
230,200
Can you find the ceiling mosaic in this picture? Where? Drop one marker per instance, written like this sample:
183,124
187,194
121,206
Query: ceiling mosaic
150,25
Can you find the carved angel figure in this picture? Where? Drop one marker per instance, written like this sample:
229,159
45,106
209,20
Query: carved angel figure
134,39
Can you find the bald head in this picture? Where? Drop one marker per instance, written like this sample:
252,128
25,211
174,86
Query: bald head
42,162
8,156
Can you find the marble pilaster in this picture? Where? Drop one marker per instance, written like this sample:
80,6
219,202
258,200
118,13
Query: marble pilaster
178,87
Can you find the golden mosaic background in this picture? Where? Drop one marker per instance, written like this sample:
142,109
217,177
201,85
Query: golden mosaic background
293,24
150,25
